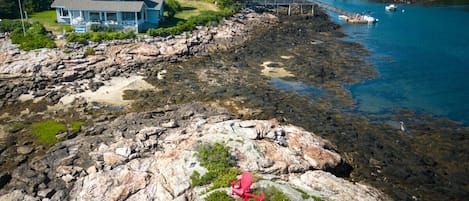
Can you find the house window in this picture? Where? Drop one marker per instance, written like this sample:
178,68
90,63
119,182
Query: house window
139,15
128,16
63,12
111,16
94,17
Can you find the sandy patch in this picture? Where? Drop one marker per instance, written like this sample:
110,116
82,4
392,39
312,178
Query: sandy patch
25,97
112,91
275,69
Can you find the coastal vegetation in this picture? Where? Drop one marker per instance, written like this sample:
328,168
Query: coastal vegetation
76,126
35,37
219,196
172,7
45,131
206,18
186,16
305,195
272,193
220,165
83,38
90,51
11,25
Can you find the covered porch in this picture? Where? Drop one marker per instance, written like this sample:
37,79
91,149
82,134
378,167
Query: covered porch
83,20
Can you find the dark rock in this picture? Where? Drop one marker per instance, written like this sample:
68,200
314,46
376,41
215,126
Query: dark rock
40,93
5,177
70,76
88,74
93,86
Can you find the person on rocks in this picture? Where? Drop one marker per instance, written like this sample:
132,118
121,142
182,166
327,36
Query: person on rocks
280,137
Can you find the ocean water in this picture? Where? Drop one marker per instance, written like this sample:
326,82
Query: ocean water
421,54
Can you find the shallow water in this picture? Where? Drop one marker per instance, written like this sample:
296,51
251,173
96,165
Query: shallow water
422,55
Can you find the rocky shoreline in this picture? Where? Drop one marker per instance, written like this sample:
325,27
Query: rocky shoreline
35,71
295,70
150,156
152,152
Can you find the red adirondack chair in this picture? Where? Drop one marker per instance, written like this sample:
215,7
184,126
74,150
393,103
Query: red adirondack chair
242,186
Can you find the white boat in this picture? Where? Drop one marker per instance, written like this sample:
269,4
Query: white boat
390,7
343,17
361,19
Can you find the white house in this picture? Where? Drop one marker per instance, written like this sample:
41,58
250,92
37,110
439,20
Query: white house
138,15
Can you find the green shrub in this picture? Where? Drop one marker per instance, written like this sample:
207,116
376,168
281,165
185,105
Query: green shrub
68,29
218,196
45,131
90,51
176,30
220,165
316,198
224,178
10,25
36,37
272,193
207,178
172,7
83,38
36,28
215,157
95,28
304,195
206,17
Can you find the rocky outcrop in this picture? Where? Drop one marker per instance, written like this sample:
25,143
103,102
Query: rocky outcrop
151,156
45,72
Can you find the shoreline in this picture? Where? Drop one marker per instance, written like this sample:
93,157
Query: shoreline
71,175
325,124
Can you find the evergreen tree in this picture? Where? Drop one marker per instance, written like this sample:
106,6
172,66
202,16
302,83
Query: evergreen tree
9,9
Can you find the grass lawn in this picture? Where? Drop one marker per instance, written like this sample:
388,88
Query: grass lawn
189,9
47,18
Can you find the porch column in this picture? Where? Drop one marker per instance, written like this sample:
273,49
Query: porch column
105,16
136,22
71,16
136,19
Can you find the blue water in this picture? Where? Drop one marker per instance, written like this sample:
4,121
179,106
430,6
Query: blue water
421,54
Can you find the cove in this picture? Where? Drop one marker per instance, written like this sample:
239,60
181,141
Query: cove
421,54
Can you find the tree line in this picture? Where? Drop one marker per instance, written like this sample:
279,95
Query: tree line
9,9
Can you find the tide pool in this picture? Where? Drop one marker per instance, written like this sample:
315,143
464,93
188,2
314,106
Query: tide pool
421,54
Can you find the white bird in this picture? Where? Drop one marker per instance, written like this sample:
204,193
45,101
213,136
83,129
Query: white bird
403,129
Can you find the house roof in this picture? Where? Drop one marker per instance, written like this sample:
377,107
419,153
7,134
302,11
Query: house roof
101,5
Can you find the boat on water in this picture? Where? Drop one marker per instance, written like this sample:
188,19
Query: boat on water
390,7
360,19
